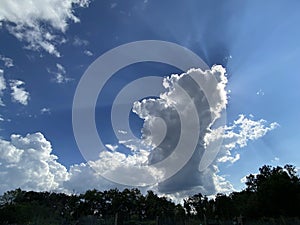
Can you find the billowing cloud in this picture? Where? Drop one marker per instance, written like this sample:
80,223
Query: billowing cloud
2,86
202,168
26,21
164,110
19,94
194,177
82,177
27,162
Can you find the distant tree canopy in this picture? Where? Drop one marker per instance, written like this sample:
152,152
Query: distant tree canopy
273,192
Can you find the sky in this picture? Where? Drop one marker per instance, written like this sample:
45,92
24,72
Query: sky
251,48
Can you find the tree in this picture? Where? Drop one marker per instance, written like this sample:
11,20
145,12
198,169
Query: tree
195,205
224,206
277,190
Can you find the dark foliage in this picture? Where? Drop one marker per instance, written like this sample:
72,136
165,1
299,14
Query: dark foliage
273,193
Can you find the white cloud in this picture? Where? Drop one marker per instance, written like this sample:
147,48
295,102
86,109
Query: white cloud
80,42
111,147
19,94
243,179
189,180
229,158
45,111
8,62
88,53
166,107
26,21
260,92
275,160
2,87
82,177
60,68
60,74
122,132
27,162
201,178
238,135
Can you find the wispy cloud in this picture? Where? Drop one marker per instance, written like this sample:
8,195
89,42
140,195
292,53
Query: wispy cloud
79,42
113,5
88,53
60,74
275,160
111,147
2,87
45,111
260,92
8,62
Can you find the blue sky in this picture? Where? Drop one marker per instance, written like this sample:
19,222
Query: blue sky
49,47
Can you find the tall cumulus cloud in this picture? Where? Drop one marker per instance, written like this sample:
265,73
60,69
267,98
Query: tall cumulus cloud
28,162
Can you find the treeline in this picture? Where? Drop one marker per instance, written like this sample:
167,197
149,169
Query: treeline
273,193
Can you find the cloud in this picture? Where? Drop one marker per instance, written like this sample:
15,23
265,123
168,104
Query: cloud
247,129
174,108
243,179
207,180
113,5
79,42
275,160
122,132
88,53
202,168
8,62
260,92
27,162
238,135
60,74
45,111
19,94
82,177
2,87
111,147
33,21
229,158
171,109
